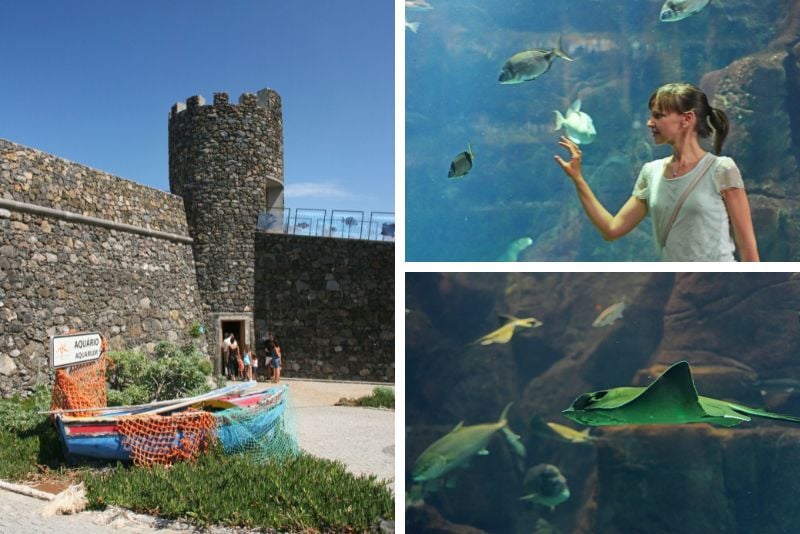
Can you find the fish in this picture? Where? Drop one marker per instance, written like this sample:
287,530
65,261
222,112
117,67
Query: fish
413,26
547,486
456,448
579,125
302,225
671,399
570,434
610,314
462,163
675,10
530,64
418,5
513,250
505,333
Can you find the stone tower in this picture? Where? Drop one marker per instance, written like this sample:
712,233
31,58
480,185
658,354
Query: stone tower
226,161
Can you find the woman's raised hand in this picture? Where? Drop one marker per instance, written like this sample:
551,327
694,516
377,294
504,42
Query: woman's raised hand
572,167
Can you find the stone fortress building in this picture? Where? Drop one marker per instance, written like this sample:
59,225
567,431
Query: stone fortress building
84,250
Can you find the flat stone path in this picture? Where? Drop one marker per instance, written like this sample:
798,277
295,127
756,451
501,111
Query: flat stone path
362,438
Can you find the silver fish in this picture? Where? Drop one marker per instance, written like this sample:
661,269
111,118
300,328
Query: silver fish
610,314
675,10
530,64
579,125
461,164
457,447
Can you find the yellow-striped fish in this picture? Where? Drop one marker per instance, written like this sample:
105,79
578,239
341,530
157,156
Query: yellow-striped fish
570,434
506,332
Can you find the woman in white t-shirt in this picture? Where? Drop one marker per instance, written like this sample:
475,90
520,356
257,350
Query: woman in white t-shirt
714,220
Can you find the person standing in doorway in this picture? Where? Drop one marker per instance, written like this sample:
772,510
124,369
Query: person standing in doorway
226,351
233,358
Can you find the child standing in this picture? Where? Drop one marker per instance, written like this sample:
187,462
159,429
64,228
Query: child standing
248,370
254,365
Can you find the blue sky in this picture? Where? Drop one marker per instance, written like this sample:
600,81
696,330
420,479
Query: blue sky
93,81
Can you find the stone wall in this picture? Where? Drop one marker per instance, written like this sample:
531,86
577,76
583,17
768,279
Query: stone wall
331,304
29,175
58,274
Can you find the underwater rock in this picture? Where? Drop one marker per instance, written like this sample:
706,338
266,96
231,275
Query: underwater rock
424,518
696,479
749,318
752,91
755,93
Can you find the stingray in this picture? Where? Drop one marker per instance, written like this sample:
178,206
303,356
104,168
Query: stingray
671,399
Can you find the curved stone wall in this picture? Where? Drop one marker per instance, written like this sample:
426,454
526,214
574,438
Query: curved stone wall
222,159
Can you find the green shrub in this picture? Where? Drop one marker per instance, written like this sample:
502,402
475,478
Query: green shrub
381,397
18,415
173,372
292,494
126,378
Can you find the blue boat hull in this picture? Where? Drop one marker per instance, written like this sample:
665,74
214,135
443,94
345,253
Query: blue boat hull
99,437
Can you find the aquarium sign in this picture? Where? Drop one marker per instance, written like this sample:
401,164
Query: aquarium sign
74,349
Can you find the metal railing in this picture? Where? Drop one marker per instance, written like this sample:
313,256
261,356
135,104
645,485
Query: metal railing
342,224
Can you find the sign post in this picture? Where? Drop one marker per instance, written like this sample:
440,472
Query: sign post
74,349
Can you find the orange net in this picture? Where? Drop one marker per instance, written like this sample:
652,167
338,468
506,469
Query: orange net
81,386
154,439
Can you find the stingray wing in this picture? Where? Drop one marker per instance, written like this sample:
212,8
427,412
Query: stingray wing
671,399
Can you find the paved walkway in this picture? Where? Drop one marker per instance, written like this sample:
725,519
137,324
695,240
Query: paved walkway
362,438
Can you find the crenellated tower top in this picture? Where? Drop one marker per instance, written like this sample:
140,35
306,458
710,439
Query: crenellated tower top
266,99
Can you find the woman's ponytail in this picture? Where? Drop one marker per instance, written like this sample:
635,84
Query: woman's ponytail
719,123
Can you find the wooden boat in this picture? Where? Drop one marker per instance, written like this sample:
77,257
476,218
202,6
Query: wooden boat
99,436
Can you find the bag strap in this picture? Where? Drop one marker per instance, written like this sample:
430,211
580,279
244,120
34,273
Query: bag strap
682,199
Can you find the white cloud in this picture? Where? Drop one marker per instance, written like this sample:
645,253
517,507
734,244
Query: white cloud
316,190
